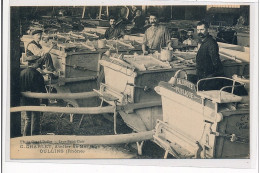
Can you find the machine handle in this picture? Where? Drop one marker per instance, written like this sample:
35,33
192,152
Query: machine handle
173,80
211,78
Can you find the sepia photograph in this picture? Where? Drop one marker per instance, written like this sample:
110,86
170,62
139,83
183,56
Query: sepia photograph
130,82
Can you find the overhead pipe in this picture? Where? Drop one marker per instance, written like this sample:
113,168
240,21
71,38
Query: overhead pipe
91,140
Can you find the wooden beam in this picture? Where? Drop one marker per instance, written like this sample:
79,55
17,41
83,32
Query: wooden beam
82,95
90,140
131,107
68,110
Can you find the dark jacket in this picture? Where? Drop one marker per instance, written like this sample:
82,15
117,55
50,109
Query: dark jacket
208,63
116,33
31,80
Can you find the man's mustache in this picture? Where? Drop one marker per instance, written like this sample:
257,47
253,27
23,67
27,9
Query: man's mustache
201,35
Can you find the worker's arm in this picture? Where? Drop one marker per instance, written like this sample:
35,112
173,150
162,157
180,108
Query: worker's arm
106,34
145,52
214,55
121,33
38,51
144,45
167,37
48,50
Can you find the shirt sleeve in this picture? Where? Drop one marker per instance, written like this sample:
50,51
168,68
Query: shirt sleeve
35,50
106,34
145,38
214,55
122,33
167,35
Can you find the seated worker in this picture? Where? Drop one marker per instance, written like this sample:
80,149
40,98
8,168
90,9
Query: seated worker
35,51
138,23
190,41
113,32
156,36
31,80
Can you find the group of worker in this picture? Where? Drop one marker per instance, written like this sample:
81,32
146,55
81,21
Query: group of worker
157,36
208,63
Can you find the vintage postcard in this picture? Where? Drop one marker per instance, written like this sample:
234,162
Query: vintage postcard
156,81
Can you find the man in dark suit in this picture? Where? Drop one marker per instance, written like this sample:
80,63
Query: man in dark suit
208,62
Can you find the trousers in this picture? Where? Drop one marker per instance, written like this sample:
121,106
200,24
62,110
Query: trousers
31,123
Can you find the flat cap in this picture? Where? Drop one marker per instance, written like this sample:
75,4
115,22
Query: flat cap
36,32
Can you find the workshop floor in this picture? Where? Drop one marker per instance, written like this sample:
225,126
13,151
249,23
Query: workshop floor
59,124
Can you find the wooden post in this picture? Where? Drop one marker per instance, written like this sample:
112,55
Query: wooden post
107,12
15,118
100,11
83,13
144,9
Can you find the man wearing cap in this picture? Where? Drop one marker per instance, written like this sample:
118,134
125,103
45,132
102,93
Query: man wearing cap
31,80
114,31
156,36
34,51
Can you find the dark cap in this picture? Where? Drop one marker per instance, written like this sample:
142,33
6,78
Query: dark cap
36,32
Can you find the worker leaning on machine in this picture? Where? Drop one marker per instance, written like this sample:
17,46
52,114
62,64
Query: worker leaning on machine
156,36
208,63
31,80
42,57
114,31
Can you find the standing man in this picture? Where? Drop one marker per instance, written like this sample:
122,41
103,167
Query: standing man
31,80
156,36
42,57
114,32
208,63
